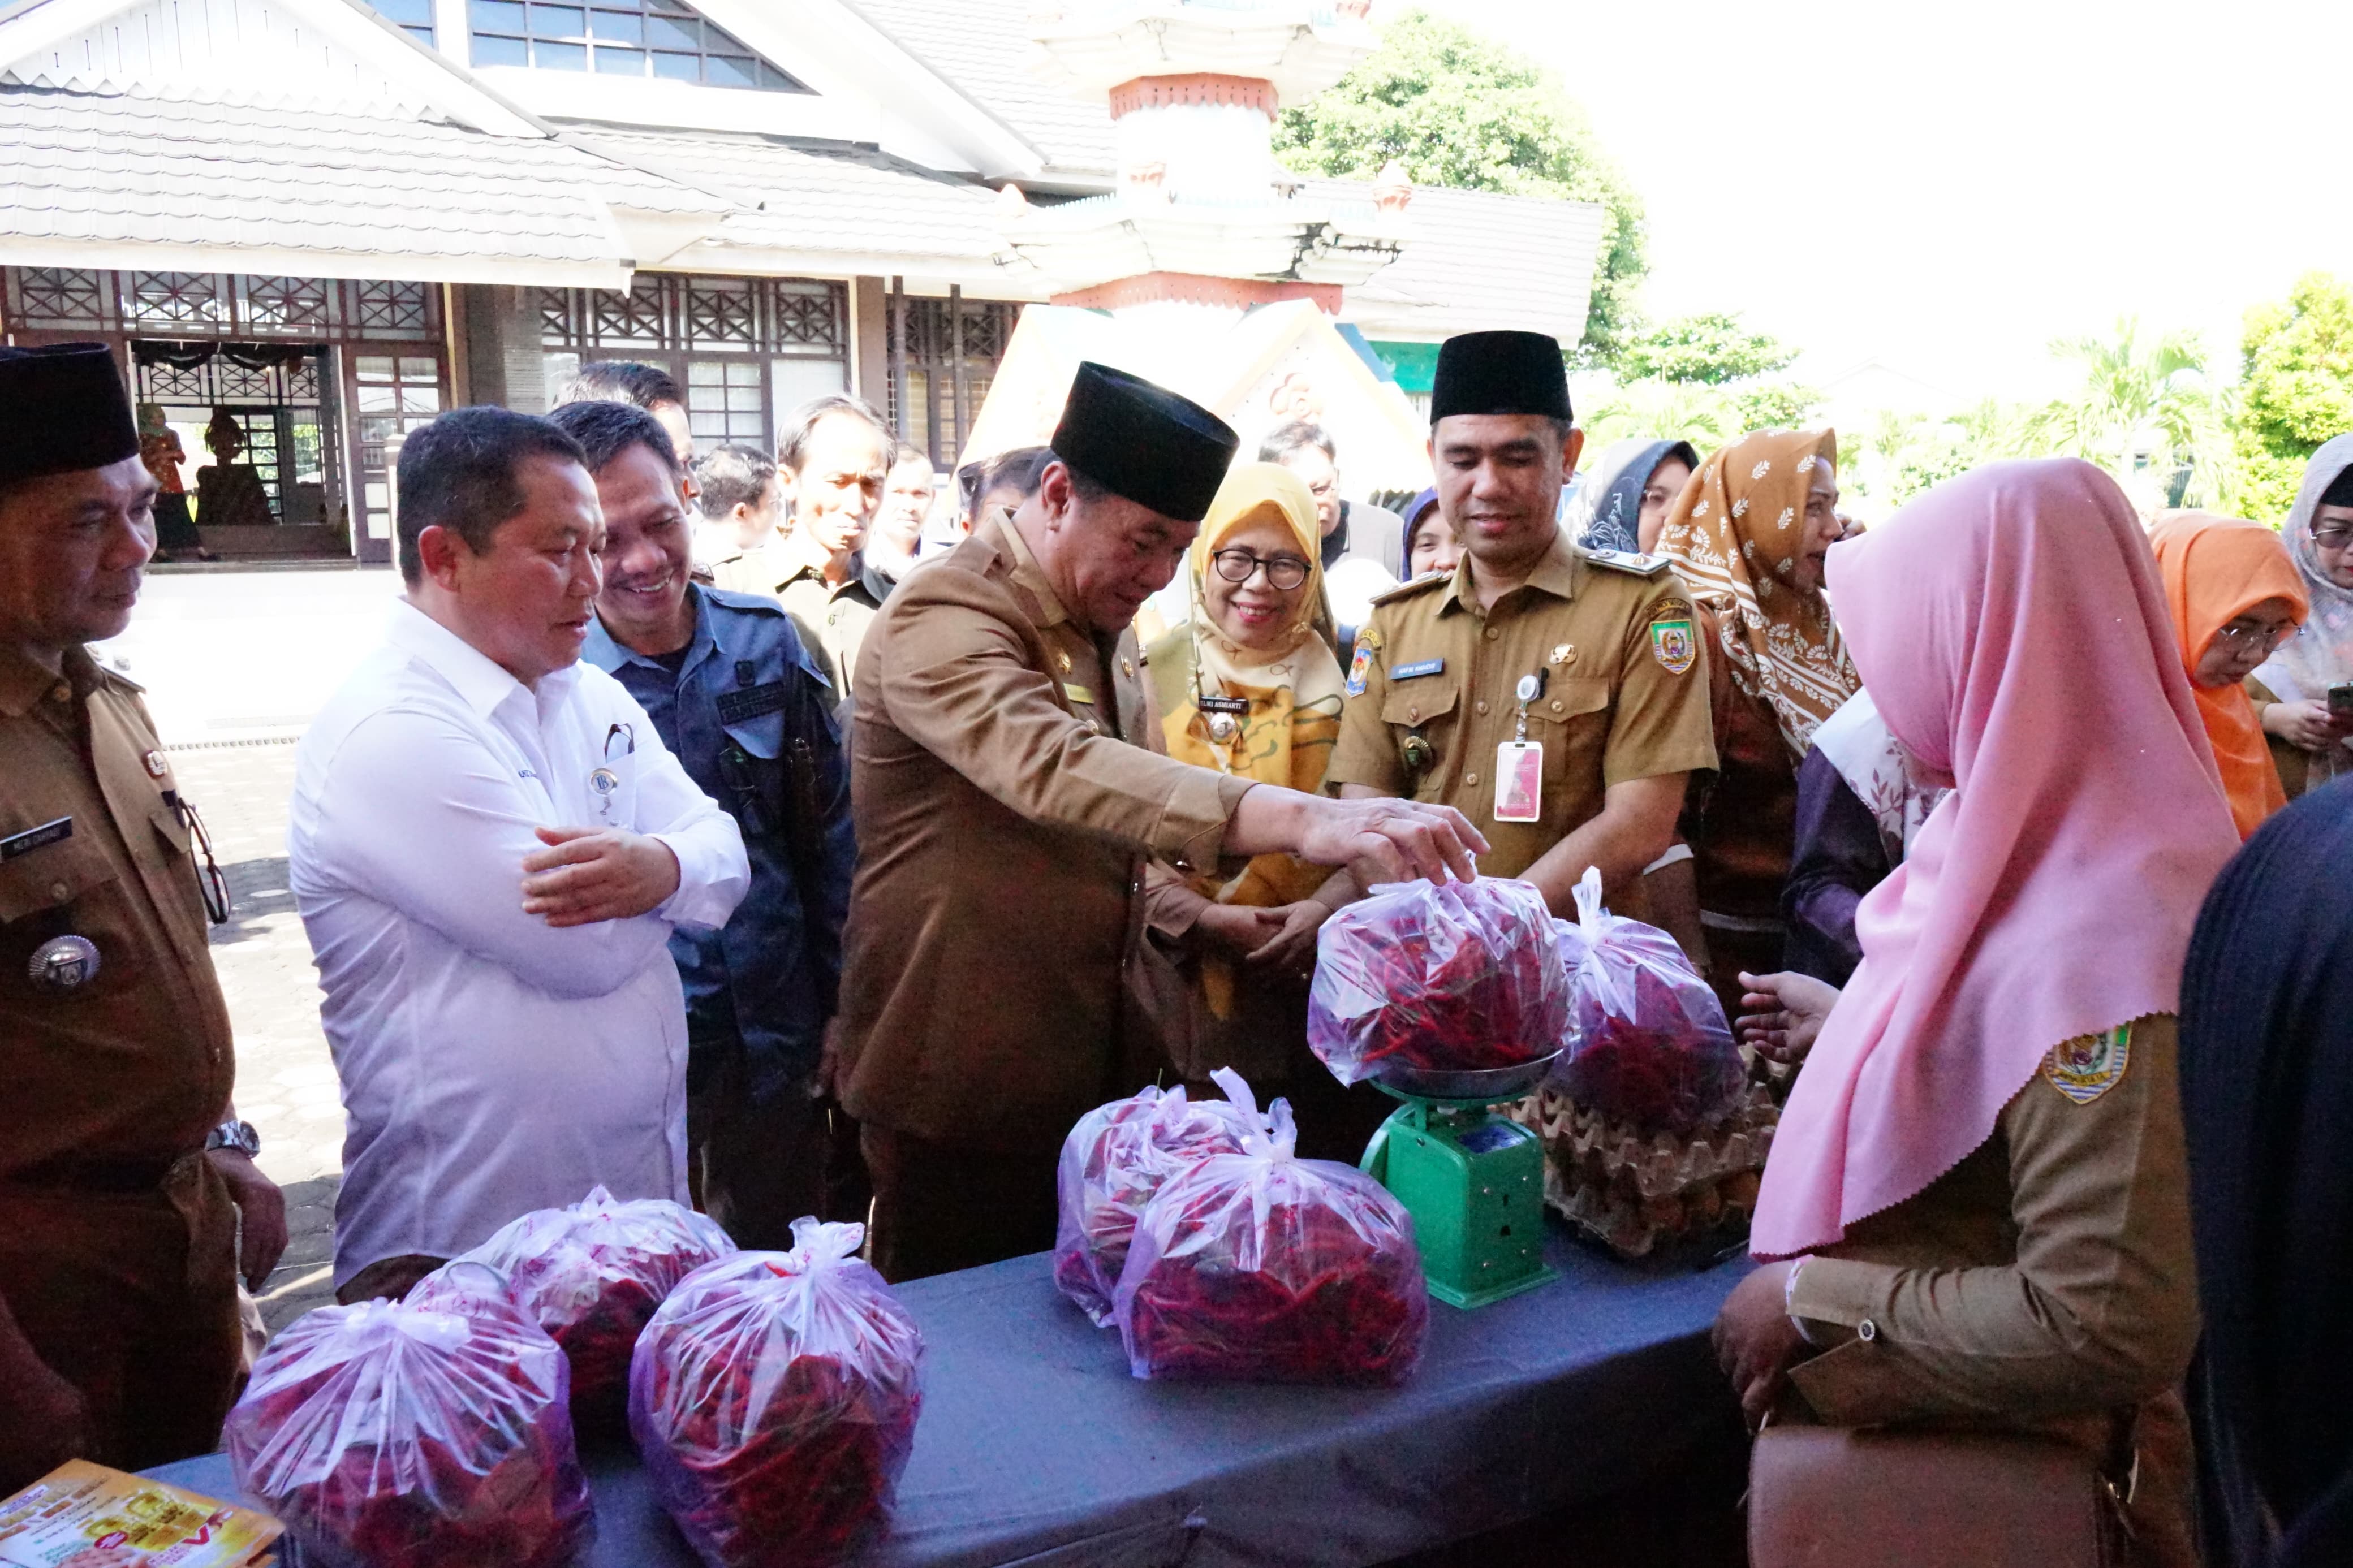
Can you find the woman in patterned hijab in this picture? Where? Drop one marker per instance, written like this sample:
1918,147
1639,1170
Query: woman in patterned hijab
1749,536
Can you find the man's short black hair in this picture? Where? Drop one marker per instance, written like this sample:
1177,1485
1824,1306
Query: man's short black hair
1296,437
463,472
606,430
646,387
732,475
1018,472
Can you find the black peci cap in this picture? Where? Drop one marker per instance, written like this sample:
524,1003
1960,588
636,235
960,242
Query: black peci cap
1500,373
1144,442
62,409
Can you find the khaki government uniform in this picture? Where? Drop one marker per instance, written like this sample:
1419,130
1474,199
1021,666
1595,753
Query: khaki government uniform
117,1238
1619,701
2043,1283
832,621
1007,788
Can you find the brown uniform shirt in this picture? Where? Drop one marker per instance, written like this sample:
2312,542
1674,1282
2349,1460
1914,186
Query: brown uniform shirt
1431,683
832,621
2045,1281
1005,787
134,1065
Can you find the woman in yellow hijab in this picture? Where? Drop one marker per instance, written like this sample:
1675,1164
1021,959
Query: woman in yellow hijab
1248,687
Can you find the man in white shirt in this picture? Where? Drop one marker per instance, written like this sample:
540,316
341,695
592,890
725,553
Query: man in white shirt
490,846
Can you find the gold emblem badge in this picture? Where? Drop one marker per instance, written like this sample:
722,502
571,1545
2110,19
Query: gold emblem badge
1563,654
2085,1069
1062,658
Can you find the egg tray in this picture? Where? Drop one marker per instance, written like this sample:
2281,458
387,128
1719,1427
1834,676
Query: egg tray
1657,1198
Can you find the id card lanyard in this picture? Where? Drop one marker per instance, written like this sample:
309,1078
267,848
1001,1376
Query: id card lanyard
1519,763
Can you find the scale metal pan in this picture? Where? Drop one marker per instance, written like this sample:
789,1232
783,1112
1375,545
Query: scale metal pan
1485,1086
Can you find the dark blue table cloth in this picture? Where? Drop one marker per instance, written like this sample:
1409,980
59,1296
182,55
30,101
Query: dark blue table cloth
1036,1447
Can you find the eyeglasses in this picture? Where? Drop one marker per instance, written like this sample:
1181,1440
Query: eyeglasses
2244,637
2332,538
1283,571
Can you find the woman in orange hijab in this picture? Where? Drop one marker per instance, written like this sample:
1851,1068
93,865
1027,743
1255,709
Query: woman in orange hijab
2235,595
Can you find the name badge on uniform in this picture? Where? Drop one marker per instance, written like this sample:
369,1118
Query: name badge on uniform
1082,695
1519,781
34,838
753,702
1213,704
1409,671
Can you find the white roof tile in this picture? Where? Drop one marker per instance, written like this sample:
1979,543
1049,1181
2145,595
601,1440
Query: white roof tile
983,47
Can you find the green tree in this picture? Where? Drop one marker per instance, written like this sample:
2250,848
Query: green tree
1460,109
1714,348
2297,390
2146,412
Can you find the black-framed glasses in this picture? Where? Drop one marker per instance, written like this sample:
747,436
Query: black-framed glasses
210,880
1283,571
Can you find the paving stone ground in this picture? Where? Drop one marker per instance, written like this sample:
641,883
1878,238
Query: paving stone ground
285,1078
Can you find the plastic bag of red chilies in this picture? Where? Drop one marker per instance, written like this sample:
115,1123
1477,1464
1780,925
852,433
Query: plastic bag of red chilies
1451,977
1647,1040
1113,1161
1263,1268
592,1274
774,1399
432,1432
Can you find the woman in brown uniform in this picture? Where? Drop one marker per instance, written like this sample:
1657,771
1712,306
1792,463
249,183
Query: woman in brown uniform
1747,535
1978,1195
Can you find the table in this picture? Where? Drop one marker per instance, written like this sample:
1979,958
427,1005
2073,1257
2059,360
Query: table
1037,1448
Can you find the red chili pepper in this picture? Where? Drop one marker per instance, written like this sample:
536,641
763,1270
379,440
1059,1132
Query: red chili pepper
774,1399
592,1275
1112,1162
430,1433
1648,1040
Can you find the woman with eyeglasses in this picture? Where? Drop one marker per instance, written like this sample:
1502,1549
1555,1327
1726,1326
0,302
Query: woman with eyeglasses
2309,734
1248,687
2234,596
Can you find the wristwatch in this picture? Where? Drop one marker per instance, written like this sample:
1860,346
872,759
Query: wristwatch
235,1135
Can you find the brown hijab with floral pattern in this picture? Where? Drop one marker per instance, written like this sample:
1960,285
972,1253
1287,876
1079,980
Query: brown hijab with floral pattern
1733,536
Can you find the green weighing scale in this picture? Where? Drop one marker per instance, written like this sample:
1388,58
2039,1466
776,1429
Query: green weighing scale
1474,1181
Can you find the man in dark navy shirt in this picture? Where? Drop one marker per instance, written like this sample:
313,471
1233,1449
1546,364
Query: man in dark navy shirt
738,701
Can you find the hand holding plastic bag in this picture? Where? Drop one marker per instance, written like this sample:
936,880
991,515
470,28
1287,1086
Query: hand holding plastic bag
592,1275
774,1399
1647,1040
1452,977
1259,1267
1112,1162
430,1433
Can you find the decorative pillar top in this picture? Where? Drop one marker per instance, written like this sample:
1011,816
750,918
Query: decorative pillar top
1297,47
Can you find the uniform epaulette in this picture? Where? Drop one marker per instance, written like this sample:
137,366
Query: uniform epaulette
1407,589
1625,561
736,599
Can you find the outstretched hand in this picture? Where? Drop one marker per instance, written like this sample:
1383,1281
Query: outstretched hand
1385,840
1782,1013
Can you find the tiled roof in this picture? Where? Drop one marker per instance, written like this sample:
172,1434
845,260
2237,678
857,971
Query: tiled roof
1478,260
795,195
983,47
105,168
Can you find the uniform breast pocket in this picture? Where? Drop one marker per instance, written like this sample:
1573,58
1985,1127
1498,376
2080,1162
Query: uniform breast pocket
51,878
1421,717
1572,721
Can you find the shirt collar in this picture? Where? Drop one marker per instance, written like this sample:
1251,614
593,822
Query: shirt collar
23,683
1555,575
607,652
475,677
1026,573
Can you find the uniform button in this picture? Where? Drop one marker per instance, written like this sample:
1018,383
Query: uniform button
1483,706
1412,713
1470,778
1493,632
1557,705
61,692
59,891
1866,1331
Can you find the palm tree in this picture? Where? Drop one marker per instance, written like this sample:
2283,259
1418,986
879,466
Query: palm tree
2146,412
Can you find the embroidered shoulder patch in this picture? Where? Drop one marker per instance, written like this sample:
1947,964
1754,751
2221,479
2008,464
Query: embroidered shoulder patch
2087,1068
1672,643
1360,664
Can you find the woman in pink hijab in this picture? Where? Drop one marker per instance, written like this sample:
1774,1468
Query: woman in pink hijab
1977,1205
